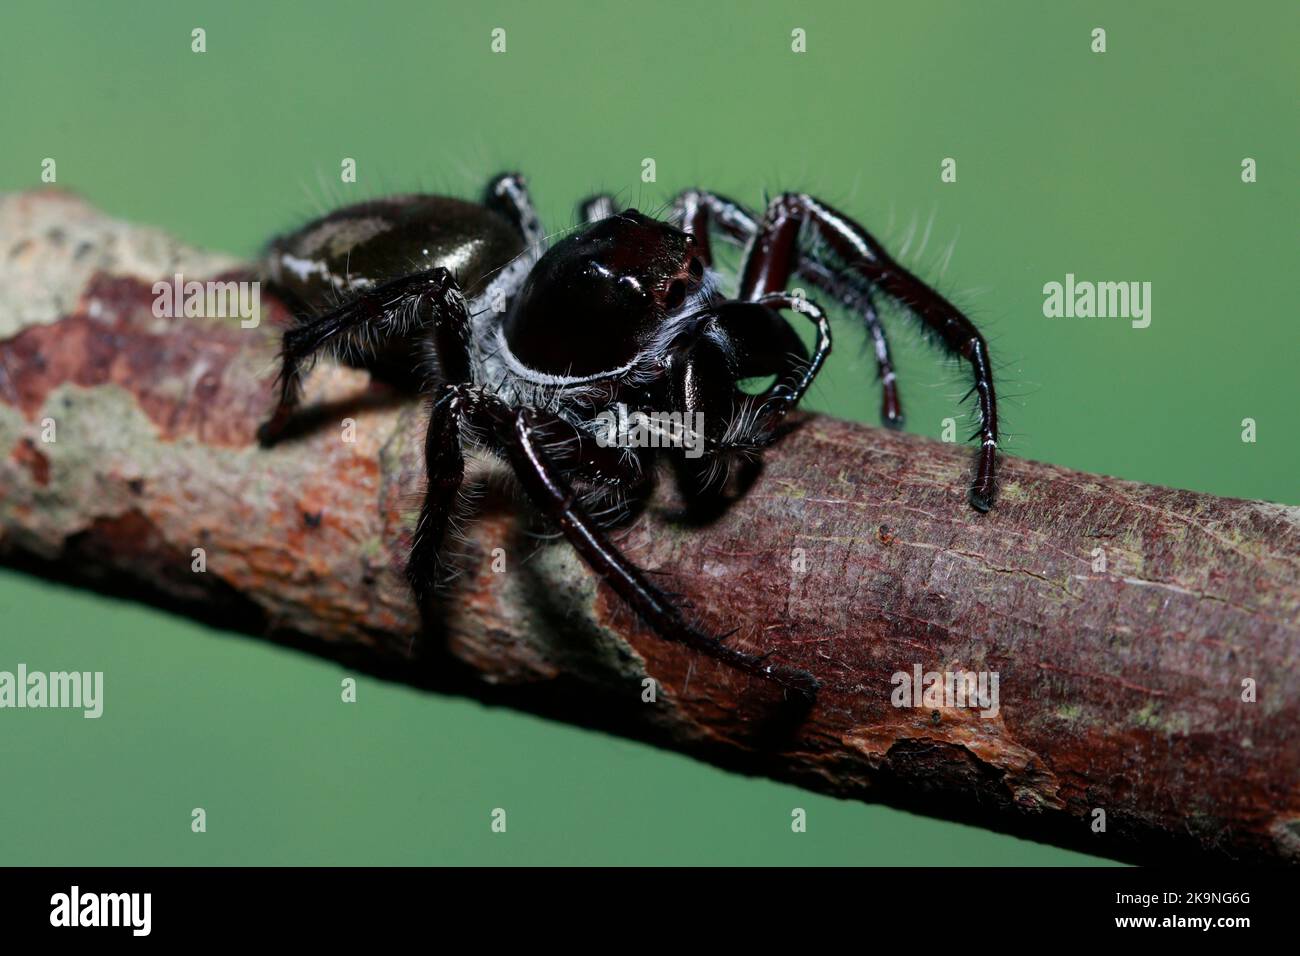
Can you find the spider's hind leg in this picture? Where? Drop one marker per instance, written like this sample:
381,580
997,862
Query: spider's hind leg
421,304
508,195
595,208
444,463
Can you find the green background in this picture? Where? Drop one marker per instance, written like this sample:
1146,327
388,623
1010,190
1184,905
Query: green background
1119,166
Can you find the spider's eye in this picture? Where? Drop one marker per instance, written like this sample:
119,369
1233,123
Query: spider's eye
676,294
696,269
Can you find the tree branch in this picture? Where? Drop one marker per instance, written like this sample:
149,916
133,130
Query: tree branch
1119,688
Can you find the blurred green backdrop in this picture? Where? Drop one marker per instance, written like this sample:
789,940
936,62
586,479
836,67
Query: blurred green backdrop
1117,166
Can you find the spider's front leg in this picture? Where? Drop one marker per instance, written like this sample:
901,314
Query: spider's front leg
699,213
460,411
549,491
775,255
544,449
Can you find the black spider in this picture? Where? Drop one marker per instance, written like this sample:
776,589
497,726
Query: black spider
522,347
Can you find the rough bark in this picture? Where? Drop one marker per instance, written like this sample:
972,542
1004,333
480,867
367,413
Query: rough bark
1119,689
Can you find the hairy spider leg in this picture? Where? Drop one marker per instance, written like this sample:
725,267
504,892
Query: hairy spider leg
428,305
543,449
775,256
444,468
421,303
698,212
549,491
595,208
508,195
462,413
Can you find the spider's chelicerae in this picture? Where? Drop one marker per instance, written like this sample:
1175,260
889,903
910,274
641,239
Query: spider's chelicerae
525,349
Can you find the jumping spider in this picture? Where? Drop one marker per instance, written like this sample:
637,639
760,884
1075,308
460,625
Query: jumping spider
522,346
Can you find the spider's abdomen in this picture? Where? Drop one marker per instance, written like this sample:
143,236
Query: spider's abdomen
370,242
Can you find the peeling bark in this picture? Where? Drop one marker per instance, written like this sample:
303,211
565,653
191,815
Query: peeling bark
1119,689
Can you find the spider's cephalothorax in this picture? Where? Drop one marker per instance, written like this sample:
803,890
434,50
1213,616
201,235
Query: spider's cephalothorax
530,350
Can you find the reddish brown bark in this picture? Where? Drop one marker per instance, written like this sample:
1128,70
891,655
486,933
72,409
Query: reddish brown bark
1120,689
